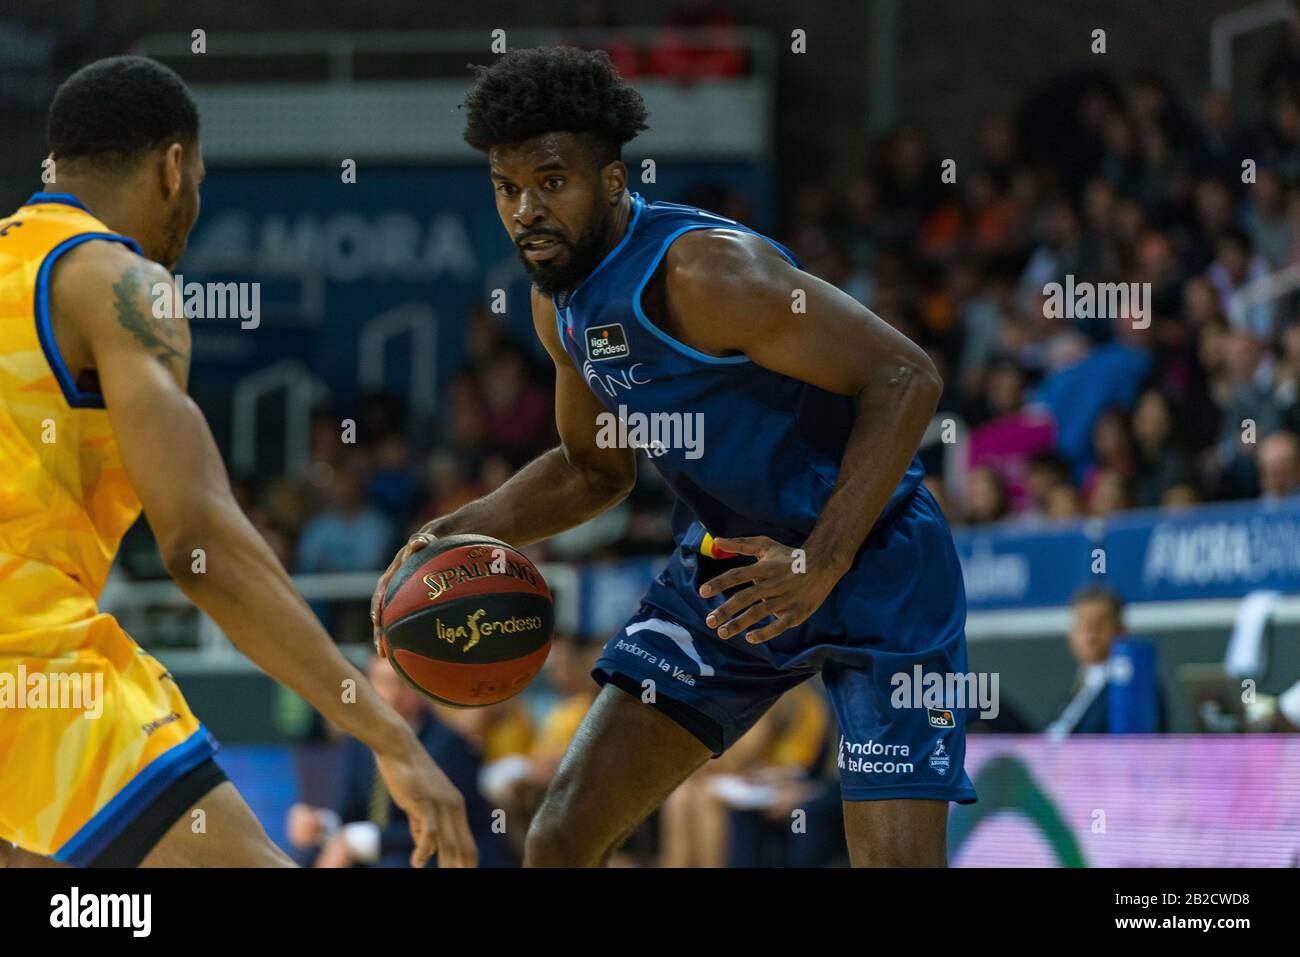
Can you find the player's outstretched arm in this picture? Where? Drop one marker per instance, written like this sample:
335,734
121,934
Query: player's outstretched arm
732,292
561,488
103,298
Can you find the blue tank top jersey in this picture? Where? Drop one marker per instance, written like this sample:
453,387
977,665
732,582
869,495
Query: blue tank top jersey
750,451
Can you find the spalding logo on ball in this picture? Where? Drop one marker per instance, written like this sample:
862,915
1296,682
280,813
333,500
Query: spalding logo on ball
468,621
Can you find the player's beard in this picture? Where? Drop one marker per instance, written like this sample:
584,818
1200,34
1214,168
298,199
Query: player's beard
176,234
580,258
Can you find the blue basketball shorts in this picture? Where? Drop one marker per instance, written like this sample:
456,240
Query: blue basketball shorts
898,613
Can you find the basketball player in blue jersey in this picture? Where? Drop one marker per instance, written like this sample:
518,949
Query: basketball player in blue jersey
805,541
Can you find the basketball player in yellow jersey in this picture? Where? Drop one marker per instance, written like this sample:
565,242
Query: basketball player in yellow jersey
101,761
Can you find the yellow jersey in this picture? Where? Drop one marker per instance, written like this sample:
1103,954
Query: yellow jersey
65,501
92,729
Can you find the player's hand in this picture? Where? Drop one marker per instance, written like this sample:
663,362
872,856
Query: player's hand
782,584
419,540
435,809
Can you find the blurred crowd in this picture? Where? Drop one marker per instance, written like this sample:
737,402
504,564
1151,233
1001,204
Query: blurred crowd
1187,395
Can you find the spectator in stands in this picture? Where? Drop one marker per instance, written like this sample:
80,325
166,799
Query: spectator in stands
465,430
1236,265
1058,253
1160,459
1220,143
1279,145
1213,212
348,535
1004,388
569,670
1048,470
288,506
519,419
1108,493
1064,502
1200,302
1279,466
327,447
983,303
1267,223
497,731
1249,410
986,497
1077,392
1112,446
364,827
393,485
1007,441
447,484
1180,496
1098,622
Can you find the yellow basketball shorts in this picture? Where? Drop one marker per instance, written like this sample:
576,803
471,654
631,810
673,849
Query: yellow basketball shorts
93,730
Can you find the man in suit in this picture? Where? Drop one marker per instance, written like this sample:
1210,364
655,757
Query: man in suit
1098,622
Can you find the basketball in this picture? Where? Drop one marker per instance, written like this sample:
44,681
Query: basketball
468,621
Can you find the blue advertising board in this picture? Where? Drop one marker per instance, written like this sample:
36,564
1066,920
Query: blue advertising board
1214,551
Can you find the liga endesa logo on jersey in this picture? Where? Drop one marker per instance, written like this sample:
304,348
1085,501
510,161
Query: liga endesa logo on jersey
607,342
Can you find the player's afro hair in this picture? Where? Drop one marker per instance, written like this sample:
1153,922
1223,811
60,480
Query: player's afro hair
113,111
549,89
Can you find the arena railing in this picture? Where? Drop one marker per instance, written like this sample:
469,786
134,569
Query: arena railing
210,651
1226,28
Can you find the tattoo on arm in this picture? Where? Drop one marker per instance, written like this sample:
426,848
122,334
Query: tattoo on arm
161,336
